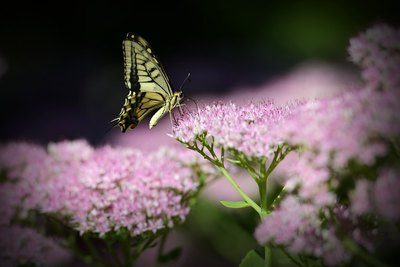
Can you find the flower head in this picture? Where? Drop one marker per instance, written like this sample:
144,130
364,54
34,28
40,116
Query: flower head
298,226
344,140
247,129
105,189
24,246
376,51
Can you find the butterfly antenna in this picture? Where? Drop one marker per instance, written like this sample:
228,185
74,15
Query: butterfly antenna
184,81
194,101
115,123
180,89
174,119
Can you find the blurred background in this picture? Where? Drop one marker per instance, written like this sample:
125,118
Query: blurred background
61,76
61,63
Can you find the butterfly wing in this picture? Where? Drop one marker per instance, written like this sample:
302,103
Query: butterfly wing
158,115
147,82
143,70
148,102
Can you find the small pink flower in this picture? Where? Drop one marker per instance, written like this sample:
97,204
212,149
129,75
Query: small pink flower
361,197
298,226
20,246
376,51
386,194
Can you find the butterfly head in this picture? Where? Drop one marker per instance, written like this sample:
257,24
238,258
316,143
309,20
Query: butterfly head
176,99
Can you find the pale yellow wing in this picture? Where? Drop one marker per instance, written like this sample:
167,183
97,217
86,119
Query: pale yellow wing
148,84
142,69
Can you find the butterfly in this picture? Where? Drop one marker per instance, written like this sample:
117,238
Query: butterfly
148,85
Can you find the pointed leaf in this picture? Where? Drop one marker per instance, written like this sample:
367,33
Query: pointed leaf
170,256
252,259
235,204
235,161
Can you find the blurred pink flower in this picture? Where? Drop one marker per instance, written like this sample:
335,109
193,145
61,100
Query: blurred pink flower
354,126
386,194
333,132
144,138
376,52
19,246
297,226
15,158
105,189
378,197
360,197
309,80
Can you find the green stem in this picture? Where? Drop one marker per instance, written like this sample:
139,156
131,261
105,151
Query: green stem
263,199
291,257
141,246
223,156
214,159
267,256
239,190
263,187
304,260
113,253
126,248
278,198
396,146
72,245
94,252
356,250
160,249
244,163
196,148
275,161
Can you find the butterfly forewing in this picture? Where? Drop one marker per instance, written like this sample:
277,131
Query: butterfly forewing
143,70
147,82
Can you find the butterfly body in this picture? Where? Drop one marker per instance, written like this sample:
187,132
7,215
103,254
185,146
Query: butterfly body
148,85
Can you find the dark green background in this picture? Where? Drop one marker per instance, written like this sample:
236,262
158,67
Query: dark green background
63,76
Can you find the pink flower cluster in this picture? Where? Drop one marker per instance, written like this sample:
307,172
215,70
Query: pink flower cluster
24,246
332,131
100,190
378,197
297,226
355,127
376,51
351,127
358,126
248,129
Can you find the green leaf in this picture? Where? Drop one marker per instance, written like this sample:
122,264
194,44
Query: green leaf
235,204
235,161
170,256
252,259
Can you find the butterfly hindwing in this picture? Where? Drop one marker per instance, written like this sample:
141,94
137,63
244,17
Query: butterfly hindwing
147,103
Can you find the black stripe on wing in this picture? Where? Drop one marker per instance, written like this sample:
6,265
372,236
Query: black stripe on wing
147,63
130,66
148,102
147,49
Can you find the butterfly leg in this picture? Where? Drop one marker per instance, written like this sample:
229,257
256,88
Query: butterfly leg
180,109
170,117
